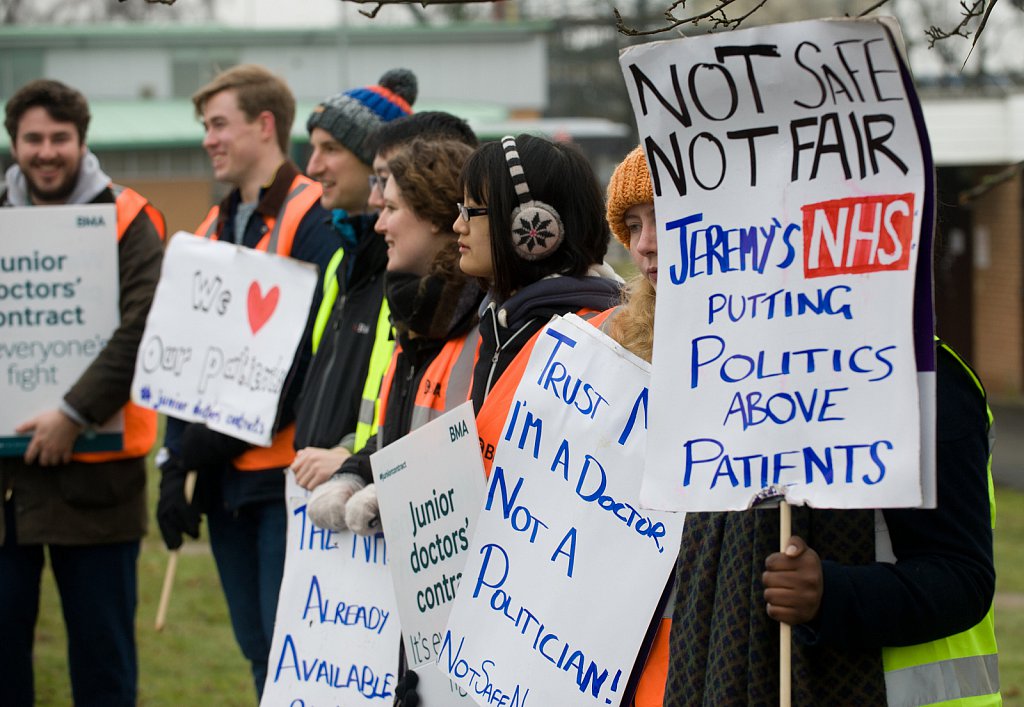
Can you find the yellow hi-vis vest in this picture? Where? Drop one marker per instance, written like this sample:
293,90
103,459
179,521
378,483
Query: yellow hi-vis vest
956,671
380,354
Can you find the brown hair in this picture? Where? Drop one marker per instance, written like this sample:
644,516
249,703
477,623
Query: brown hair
61,102
427,172
257,90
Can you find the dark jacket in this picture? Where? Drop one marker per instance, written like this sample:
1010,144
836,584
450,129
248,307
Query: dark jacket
315,242
328,407
505,328
91,503
413,358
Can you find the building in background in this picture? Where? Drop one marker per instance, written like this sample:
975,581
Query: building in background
503,78
139,80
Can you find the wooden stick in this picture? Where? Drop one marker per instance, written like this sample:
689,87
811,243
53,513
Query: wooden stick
172,564
785,630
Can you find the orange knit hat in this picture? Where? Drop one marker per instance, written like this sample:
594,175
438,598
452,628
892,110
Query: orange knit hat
630,185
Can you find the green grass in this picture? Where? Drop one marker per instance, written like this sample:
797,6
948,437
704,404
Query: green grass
1009,541
195,660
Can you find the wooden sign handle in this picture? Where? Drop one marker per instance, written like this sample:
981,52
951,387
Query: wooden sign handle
785,630
172,564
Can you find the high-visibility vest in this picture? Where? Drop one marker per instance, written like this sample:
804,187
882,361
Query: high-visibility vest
278,237
494,411
960,670
380,356
445,384
139,434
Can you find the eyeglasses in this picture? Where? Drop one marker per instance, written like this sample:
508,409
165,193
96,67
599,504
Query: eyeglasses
468,212
378,181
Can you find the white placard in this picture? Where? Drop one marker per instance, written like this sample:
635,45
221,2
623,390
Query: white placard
224,328
430,485
565,571
59,291
789,165
336,634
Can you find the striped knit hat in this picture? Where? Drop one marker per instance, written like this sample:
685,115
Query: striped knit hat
630,185
351,116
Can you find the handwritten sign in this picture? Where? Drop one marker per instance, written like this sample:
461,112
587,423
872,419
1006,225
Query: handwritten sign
565,570
789,165
430,485
336,634
58,308
221,336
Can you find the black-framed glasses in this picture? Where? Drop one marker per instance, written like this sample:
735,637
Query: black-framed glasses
468,212
378,181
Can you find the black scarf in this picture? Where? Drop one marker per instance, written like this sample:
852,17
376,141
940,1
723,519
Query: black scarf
724,648
436,307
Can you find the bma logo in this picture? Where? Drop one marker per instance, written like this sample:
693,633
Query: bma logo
90,221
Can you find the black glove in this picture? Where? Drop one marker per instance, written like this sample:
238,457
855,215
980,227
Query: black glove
405,690
204,450
174,514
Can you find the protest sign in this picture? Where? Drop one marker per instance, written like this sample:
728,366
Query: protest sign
58,308
793,193
336,634
430,486
565,571
222,333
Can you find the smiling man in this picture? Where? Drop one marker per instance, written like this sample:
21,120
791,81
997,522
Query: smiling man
353,332
247,114
89,509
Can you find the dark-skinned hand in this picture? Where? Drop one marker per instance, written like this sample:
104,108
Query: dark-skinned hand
793,583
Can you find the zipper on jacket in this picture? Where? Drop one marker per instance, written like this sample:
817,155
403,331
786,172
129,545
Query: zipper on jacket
500,345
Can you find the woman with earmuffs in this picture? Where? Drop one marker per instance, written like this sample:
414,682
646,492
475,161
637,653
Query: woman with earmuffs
630,215
532,228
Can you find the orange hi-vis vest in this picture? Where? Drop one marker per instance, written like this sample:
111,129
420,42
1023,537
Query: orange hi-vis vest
278,237
139,423
444,385
490,422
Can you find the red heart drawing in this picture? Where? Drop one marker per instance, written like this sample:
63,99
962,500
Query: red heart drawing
260,306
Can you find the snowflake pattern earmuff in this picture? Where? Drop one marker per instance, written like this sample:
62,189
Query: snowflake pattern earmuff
537,229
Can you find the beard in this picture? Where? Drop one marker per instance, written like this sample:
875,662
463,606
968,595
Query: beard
55,194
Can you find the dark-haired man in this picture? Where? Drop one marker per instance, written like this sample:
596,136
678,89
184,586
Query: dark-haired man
89,509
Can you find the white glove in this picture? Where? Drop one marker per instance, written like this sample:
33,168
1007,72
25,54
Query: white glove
326,506
362,514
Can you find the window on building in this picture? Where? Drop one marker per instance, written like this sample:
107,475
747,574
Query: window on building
18,67
190,71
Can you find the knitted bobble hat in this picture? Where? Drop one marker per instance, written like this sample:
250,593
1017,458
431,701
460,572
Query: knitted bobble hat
630,185
351,116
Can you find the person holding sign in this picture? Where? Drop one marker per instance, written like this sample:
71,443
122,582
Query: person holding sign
532,227
322,457
631,218
822,591
434,311
90,509
352,334
883,603
247,113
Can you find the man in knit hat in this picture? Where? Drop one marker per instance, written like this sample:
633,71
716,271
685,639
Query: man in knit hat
352,334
